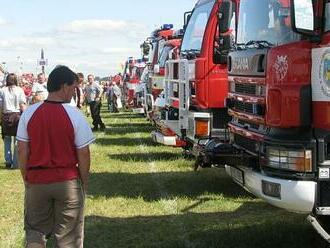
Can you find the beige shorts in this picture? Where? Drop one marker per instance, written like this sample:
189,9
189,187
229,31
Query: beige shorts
56,210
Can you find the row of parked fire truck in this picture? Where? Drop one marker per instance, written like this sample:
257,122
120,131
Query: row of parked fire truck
246,85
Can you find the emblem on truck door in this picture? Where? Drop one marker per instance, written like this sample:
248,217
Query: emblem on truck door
321,74
281,67
325,82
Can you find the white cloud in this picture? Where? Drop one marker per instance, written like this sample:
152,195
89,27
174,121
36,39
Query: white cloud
82,26
91,46
112,50
22,43
115,29
3,22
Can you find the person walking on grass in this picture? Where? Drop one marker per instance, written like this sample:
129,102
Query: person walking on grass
82,86
93,96
54,158
12,103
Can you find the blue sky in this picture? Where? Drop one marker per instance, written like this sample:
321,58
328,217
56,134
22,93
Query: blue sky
89,36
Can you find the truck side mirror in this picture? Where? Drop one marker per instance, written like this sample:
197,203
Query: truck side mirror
226,22
224,14
302,17
186,18
145,46
221,52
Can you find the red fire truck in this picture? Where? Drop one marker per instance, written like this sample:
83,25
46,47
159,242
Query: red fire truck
158,114
279,100
132,73
196,84
154,83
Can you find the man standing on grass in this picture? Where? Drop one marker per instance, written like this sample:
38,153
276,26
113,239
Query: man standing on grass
39,89
54,157
93,95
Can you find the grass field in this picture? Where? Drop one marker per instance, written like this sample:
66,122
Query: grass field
147,195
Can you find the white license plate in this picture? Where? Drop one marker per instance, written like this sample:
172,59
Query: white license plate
237,175
324,173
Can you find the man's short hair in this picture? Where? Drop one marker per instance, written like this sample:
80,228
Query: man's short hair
59,76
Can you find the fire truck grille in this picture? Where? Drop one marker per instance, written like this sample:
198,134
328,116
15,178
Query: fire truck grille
244,107
246,143
250,108
249,124
249,89
324,193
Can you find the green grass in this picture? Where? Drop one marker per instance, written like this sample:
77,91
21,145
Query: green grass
147,195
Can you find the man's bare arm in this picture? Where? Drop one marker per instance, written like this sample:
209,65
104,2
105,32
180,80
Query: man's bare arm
84,161
22,107
23,155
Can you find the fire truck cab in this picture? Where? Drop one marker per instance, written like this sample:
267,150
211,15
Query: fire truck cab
132,73
196,84
163,134
279,101
154,83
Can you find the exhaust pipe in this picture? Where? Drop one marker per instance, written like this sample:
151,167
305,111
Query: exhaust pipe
317,226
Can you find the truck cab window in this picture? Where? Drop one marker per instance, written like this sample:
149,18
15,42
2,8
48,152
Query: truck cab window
327,17
194,34
265,21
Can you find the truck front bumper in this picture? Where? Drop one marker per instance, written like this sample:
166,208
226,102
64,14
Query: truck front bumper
167,140
294,196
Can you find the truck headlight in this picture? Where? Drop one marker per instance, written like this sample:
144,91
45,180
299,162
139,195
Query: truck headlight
286,159
201,127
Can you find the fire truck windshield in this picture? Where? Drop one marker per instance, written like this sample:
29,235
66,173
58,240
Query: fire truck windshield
266,21
193,37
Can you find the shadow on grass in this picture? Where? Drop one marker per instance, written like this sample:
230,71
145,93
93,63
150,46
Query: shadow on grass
146,157
251,225
125,141
128,129
126,115
164,185
120,117
130,124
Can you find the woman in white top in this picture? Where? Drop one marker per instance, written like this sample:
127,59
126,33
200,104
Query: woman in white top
12,103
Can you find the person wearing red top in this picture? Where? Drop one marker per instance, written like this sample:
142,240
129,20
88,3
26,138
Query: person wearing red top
27,91
53,151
